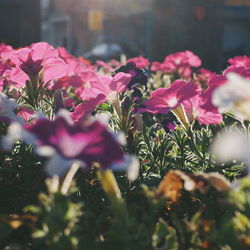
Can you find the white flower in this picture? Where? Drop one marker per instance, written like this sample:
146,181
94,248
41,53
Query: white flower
7,106
16,132
131,165
234,96
231,145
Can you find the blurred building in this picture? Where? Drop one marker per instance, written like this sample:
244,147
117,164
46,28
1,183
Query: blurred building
19,22
79,25
214,29
195,25
153,28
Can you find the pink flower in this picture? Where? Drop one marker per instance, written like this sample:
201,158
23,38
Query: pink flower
240,61
180,62
220,80
114,63
163,100
242,71
5,51
106,66
85,108
140,62
204,75
203,115
25,113
107,86
64,54
156,66
39,57
206,96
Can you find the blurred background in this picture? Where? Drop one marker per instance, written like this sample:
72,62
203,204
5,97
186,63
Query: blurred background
102,29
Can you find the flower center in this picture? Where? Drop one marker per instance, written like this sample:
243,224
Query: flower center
172,102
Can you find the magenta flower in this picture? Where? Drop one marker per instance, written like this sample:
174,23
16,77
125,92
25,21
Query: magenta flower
39,57
206,96
107,86
138,76
83,109
5,51
204,75
25,113
240,61
220,80
106,66
156,66
180,62
66,142
163,100
242,71
203,114
140,62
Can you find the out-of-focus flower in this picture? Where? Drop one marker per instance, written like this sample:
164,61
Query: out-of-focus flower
156,66
65,142
163,100
137,122
7,106
138,76
231,145
206,96
106,66
176,181
5,51
203,76
234,96
180,62
140,62
26,113
39,57
240,61
242,71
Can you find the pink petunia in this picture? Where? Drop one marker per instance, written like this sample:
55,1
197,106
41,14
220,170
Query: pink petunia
38,58
108,86
83,109
5,51
240,61
25,113
140,62
203,115
204,75
180,62
106,66
163,100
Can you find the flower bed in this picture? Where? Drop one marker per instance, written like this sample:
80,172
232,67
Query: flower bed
122,155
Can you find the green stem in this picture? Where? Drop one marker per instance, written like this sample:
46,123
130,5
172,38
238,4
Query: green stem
113,193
